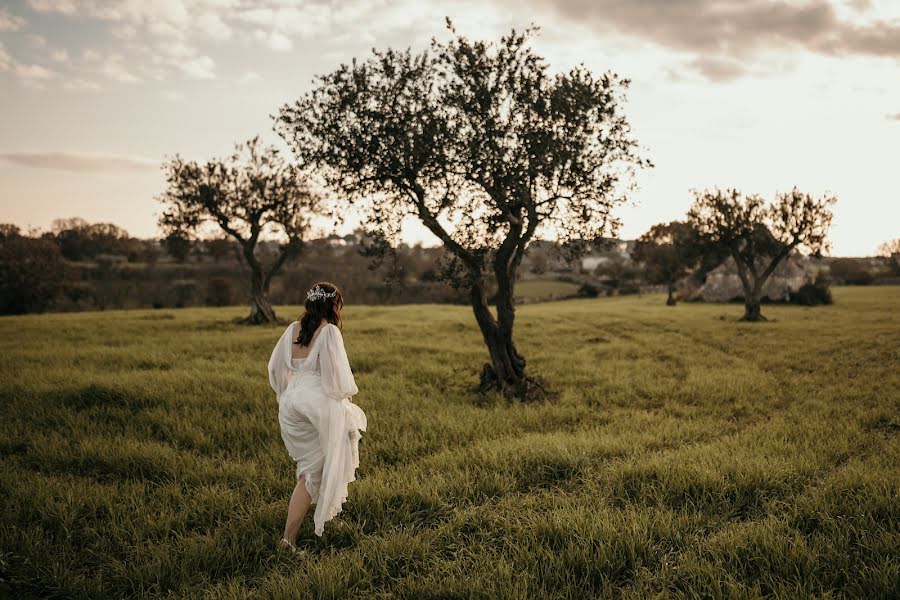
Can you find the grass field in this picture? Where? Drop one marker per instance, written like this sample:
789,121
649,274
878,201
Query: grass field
536,288
688,455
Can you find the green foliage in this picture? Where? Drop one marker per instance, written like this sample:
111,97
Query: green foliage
669,251
686,456
32,273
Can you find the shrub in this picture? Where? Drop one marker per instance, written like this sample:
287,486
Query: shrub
851,272
219,292
813,294
588,290
32,274
185,290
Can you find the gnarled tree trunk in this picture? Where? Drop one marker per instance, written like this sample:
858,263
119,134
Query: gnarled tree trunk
261,310
506,371
752,310
670,301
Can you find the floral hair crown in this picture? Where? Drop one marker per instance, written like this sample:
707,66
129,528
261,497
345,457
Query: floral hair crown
317,293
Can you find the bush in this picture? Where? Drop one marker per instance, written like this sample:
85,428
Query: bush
32,274
184,290
813,294
851,271
219,292
588,291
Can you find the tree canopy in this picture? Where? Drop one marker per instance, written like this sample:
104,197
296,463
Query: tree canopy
485,146
247,194
758,236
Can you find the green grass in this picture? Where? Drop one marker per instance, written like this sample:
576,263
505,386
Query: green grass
687,455
540,288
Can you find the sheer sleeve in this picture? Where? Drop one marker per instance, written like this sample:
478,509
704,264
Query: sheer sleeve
280,371
337,378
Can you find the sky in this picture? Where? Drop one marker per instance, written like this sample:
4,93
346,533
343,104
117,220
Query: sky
755,94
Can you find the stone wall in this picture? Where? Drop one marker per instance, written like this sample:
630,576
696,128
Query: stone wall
724,285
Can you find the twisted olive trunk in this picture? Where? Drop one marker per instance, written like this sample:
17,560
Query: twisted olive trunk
261,310
670,301
506,371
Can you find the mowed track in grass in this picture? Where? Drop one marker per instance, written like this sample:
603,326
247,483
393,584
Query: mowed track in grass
687,455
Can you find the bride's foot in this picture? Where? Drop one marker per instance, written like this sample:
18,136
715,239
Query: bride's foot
283,544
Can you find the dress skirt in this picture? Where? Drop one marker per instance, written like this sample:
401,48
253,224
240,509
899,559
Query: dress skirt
301,418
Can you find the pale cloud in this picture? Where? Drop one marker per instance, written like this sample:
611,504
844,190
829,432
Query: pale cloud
212,25
717,69
6,61
114,69
91,55
248,77
81,85
275,40
10,22
60,55
67,161
722,33
125,31
33,76
202,67
172,95
38,41
65,7
303,20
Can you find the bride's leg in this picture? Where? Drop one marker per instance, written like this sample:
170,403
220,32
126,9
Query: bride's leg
297,508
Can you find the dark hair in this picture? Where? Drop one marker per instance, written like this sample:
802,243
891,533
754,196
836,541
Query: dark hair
318,309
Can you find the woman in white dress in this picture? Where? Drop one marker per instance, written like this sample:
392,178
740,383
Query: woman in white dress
320,426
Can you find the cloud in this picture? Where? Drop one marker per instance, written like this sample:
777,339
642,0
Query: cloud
6,61
893,117
86,163
10,22
248,77
172,95
716,69
719,31
275,40
81,85
202,67
66,7
212,25
114,68
33,76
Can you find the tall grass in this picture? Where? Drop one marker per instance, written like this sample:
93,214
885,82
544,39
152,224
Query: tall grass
687,455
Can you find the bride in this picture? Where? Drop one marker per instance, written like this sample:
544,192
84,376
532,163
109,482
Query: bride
320,426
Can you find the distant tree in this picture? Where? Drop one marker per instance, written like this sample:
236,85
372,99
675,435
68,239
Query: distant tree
251,192
178,244
758,237
8,230
219,292
220,248
889,248
79,240
669,252
32,272
485,146
71,237
851,271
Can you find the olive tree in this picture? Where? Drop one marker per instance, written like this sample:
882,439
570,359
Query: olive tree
250,193
486,147
758,236
669,251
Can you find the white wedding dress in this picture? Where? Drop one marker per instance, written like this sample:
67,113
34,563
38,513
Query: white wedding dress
320,426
